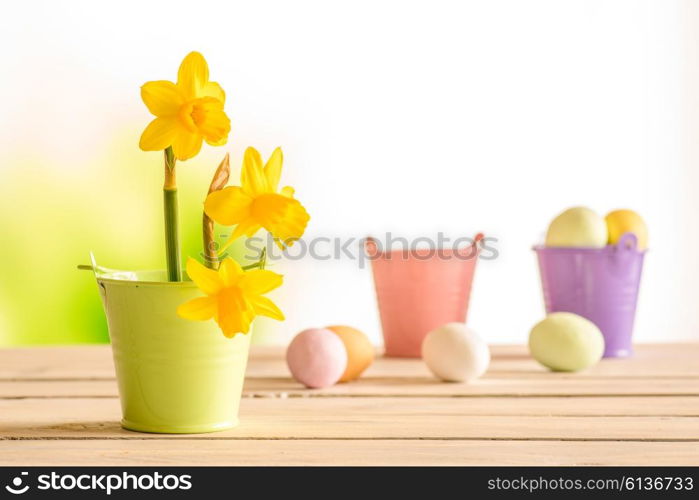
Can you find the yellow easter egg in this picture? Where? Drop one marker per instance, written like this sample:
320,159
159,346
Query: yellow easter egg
577,227
626,221
566,342
360,352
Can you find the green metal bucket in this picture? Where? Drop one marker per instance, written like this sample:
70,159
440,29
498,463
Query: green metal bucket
174,375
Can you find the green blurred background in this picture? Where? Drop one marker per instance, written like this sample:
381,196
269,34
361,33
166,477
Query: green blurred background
53,217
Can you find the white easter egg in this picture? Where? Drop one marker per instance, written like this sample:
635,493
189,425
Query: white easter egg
455,353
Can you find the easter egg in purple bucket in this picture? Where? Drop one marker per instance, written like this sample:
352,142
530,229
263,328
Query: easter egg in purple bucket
600,284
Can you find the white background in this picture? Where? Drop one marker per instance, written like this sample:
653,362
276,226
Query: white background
412,117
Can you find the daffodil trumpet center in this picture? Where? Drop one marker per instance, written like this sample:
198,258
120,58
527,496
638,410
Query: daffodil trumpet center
233,297
269,208
205,116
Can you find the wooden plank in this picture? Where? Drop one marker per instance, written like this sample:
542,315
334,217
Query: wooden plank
678,406
331,452
643,410
63,362
95,363
490,385
650,360
342,419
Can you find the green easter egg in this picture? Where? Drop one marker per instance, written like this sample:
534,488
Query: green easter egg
566,342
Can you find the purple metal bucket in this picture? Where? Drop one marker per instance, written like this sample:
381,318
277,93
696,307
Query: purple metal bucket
600,284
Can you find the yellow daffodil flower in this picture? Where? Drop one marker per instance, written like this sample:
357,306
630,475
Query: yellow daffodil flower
256,203
187,112
233,296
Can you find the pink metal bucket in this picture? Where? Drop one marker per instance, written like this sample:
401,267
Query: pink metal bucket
420,290
600,284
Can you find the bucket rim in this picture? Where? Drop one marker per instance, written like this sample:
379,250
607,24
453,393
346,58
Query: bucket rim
450,252
135,278
590,250
628,242
130,278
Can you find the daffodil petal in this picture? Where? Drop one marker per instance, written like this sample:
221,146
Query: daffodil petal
246,227
284,217
206,279
228,206
200,309
162,98
230,272
265,307
292,227
193,75
186,144
250,227
232,323
213,89
220,142
235,313
259,281
159,134
252,177
273,169
210,120
287,191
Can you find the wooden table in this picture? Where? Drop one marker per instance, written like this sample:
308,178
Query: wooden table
59,406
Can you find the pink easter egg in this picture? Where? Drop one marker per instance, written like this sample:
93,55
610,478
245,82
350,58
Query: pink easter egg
316,358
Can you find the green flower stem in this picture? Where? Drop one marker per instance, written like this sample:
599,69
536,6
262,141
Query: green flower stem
260,263
172,238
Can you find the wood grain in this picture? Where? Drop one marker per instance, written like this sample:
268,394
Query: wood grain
94,362
660,406
59,406
489,385
342,452
343,419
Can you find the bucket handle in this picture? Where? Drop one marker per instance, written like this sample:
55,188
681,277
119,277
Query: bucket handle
94,267
371,246
627,242
623,256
